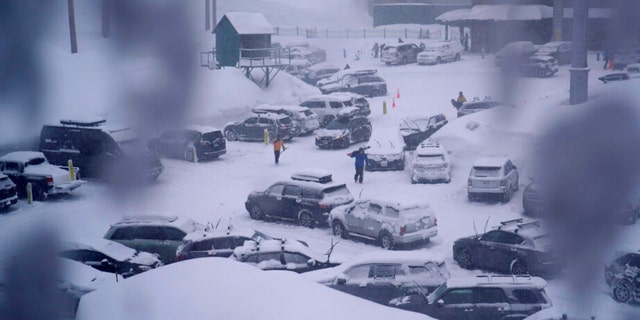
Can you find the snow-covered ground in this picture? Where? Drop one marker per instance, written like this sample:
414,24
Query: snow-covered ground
216,190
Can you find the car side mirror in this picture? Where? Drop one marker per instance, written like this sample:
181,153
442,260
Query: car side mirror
105,262
311,262
440,303
341,280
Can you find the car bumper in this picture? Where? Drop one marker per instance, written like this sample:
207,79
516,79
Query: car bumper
429,175
391,60
424,60
66,187
492,190
412,237
9,201
212,154
385,165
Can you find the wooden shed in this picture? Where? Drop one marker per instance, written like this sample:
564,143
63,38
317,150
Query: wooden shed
241,33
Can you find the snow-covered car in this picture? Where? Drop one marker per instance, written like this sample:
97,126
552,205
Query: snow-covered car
443,51
216,243
540,66
493,176
516,246
252,128
622,276
156,234
430,163
390,224
560,50
400,53
382,276
306,51
109,256
111,152
416,129
307,201
8,192
318,72
191,143
345,74
514,52
25,167
483,297
366,85
625,57
306,120
345,130
281,254
477,106
385,154
296,67
357,100
564,313
327,106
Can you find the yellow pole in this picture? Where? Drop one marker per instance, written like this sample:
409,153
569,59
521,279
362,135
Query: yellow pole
72,170
29,193
266,137
384,107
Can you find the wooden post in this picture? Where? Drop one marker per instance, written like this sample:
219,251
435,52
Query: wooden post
106,18
207,15
72,27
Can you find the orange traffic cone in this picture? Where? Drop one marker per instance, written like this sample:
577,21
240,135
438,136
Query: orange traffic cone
393,104
398,94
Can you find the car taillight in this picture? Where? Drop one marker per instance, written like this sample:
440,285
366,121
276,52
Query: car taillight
403,230
469,182
50,180
181,257
283,128
503,183
435,221
323,206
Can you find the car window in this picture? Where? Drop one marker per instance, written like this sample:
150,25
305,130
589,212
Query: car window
492,236
239,241
252,258
383,271
296,258
264,121
270,256
390,212
149,233
458,296
528,296
292,191
313,104
285,120
486,172
124,233
358,272
172,234
634,262
511,238
374,209
90,255
507,168
204,245
489,295
276,191
11,167
335,105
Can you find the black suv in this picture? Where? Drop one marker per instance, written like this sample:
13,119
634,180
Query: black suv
344,130
305,198
252,129
414,130
100,150
485,297
535,66
623,277
516,246
192,143
366,85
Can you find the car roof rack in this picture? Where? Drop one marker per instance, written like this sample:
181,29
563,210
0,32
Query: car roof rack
493,279
319,177
83,123
510,222
148,218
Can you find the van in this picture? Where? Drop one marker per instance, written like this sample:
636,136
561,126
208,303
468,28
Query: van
101,150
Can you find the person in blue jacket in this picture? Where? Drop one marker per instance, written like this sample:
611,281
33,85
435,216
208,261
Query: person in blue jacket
361,160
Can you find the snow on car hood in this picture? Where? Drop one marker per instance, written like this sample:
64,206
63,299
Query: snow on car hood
330,133
59,175
145,258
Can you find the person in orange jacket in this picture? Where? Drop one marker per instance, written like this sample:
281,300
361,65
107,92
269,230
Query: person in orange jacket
278,147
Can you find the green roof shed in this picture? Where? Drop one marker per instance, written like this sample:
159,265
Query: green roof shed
241,30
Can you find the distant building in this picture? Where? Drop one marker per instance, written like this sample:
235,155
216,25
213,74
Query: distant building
240,30
387,12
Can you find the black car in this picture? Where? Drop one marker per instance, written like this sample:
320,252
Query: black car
616,76
345,130
516,247
101,150
216,243
253,128
622,276
367,85
540,66
385,155
414,130
8,193
319,72
486,297
559,50
192,143
304,199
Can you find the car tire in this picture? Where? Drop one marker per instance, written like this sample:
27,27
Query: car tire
506,197
457,58
305,219
541,73
448,179
518,267
255,212
346,143
386,240
404,60
339,230
231,135
438,60
464,259
621,291
189,154
38,193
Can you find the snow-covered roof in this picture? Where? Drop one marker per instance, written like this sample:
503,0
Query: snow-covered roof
110,248
22,156
347,95
502,280
402,204
232,231
315,185
278,107
249,23
201,129
328,97
273,116
277,245
499,12
490,162
185,224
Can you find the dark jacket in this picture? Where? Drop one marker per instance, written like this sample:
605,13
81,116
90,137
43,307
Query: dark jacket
361,158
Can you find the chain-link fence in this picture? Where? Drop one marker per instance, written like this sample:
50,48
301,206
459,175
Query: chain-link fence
363,33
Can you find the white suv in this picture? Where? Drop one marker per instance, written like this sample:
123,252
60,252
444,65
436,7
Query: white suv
493,176
431,163
327,106
443,51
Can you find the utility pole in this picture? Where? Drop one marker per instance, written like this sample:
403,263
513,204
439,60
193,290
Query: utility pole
558,17
214,6
72,27
106,18
207,15
579,69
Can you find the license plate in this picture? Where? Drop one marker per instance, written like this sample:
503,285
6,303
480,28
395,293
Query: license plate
383,163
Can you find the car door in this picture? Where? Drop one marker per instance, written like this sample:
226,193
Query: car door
263,124
354,217
248,128
490,304
291,200
167,143
372,223
170,240
383,285
299,262
271,203
455,304
486,251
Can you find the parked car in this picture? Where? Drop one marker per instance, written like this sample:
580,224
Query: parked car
484,297
8,192
370,86
191,143
476,106
532,200
306,51
514,52
318,72
431,163
345,130
441,52
493,176
109,256
382,276
344,74
306,121
516,246
536,66
24,167
102,150
621,276
624,57
414,130
306,198
400,53
616,76
390,224
357,100
633,68
327,106
217,243
385,154
156,234
252,128
559,50
281,255
297,67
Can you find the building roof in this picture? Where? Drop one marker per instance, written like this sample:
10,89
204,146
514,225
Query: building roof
490,162
500,12
248,23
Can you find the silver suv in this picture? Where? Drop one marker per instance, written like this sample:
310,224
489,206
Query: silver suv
388,223
493,176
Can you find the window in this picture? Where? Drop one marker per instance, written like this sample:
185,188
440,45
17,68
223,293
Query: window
335,105
295,258
383,271
93,256
11,167
314,104
172,234
511,238
124,233
489,295
374,208
204,245
492,236
271,257
292,191
634,262
458,296
251,121
276,191
253,258
528,296
358,273
239,241
390,212
149,233
264,121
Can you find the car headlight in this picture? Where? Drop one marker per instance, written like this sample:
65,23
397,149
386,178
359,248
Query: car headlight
338,137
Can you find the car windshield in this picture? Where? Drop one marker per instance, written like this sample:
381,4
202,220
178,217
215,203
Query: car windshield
11,167
211,136
336,195
486,172
338,124
436,293
286,120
